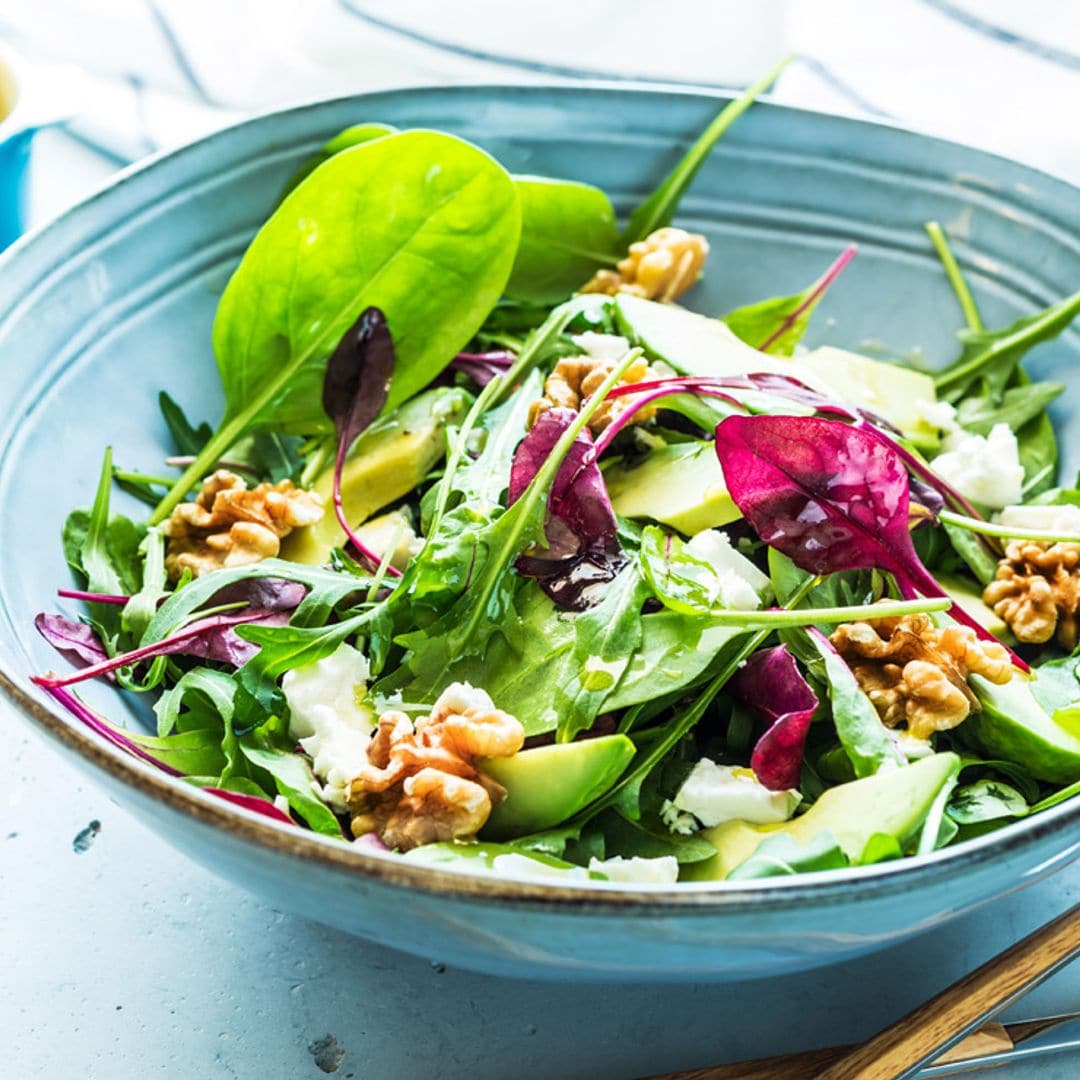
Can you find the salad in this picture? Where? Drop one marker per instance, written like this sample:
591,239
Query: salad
501,559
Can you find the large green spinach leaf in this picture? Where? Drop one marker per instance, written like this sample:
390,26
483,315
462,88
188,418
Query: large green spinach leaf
422,225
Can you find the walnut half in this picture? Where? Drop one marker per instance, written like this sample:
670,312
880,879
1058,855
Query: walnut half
421,784
916,674
661,267
230,525
576,378
1037,592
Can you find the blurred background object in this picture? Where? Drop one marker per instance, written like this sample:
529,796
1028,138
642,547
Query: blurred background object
145,75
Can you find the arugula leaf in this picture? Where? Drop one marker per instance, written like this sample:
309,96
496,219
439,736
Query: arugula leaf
605,639
777,325
353,236
187,438
1017,407
860,730
780,856
991,356
567,232
190,753
294,779
659,208
141,608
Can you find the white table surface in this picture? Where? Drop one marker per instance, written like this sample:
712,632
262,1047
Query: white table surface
126,960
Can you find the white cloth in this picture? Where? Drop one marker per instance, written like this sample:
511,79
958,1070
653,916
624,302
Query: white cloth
150,74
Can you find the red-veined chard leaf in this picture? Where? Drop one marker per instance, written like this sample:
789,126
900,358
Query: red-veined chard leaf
771,685
71,637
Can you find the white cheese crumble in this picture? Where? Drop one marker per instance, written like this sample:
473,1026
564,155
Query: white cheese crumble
678,821
985,468
638,871
601,346
1052,520
329,717
715,793
391,533
739,584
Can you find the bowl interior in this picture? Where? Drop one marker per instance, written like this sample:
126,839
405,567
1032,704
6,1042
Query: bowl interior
113,303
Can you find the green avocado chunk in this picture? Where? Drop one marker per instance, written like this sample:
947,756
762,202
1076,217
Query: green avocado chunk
894,802
1013,726
969,596
548,784
681,485
384,465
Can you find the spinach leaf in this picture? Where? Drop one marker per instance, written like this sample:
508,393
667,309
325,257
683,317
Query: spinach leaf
343,140
777,325
973,551
649,839
985,800
1018,405
422,225
780,856
294,779
1056,687
567,232
191,753
991,356
858,726
605,638
659,208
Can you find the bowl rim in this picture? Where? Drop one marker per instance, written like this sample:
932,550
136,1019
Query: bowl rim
592,897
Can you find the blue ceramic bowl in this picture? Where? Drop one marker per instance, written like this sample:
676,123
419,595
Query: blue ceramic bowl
114,301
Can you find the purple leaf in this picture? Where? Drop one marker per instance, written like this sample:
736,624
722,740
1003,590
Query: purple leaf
252,803
71,637
199,638
485,366
370,842
580,515
831,496
355,389
226,646
771,684
582,553
264,593
99,725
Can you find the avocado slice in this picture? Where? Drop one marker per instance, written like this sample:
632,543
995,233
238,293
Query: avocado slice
384,465
969,596
892,391
548,784
681,485
1013,726
894,802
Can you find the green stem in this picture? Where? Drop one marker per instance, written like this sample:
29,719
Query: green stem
321,451
816,616
537,491
684,722
123,477
956,278
659,208
1008,532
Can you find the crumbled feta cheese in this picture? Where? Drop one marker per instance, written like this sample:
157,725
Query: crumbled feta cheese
523,867
601,346
715,793
330,719
638,871
911,746
460,697
939,414
1052,520
739,584
985,468
678,821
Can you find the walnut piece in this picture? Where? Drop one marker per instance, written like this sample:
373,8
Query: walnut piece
916,674
576,378
421,784
230,525
661,267
1037,592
